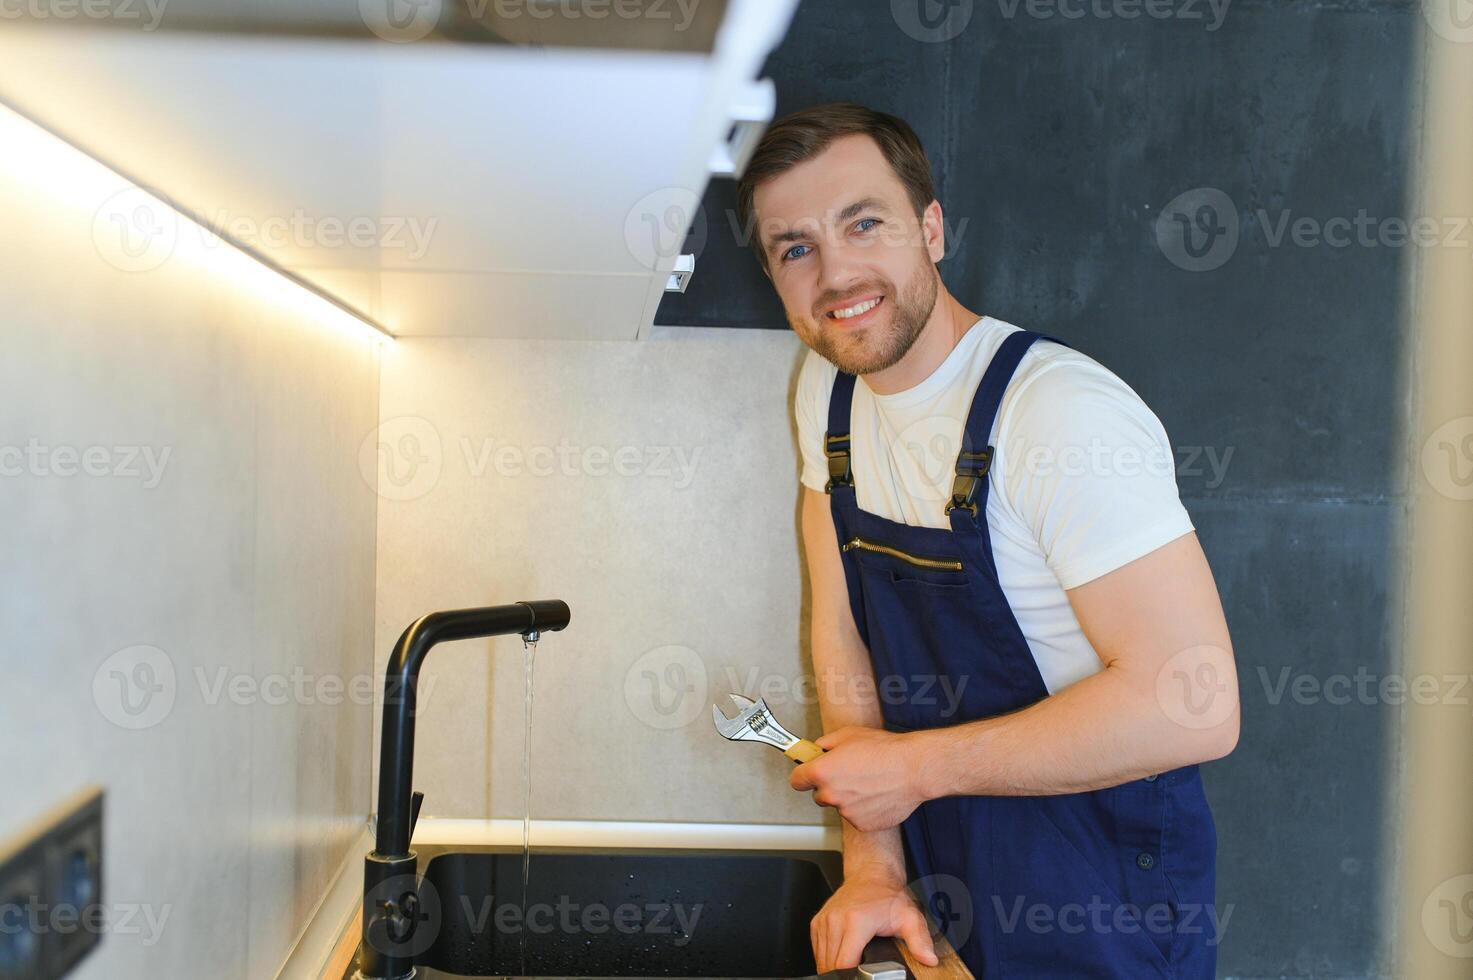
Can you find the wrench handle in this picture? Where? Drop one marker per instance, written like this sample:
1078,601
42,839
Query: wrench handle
803,751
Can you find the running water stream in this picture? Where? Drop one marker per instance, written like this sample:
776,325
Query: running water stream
529,656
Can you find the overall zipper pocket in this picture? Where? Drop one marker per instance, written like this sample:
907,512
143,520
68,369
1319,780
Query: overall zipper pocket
948,564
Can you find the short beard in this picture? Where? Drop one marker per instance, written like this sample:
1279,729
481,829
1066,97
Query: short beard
859,353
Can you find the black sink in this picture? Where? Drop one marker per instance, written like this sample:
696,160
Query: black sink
622,913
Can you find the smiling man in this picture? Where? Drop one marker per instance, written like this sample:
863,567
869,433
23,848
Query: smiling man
989,512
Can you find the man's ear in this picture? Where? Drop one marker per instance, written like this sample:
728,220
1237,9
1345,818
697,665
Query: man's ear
933,231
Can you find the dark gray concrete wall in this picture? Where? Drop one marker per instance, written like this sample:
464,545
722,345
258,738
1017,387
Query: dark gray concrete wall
1272,357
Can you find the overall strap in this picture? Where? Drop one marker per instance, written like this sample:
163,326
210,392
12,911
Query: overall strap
969,488
836,439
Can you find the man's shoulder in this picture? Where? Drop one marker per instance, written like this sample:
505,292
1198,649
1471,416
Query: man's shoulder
811,395
816,369
1042,356
815,380
1058,388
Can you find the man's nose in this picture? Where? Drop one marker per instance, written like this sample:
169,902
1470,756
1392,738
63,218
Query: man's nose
840,273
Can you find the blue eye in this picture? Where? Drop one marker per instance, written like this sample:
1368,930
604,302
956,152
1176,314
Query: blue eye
864,220
789,253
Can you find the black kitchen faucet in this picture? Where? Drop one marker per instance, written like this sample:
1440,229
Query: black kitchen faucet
391,905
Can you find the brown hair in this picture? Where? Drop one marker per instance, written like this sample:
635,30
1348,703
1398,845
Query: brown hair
804,134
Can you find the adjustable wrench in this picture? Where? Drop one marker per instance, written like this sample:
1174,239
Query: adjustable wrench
753,722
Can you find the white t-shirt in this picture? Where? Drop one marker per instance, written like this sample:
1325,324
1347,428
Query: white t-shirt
1082,480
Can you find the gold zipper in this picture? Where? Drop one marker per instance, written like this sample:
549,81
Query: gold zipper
885,549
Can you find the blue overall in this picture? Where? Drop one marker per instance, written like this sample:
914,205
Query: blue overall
1114,882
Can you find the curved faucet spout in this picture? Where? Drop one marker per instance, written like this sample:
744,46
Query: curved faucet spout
396,756
390,885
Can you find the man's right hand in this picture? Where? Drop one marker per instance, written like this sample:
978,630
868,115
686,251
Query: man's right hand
865,906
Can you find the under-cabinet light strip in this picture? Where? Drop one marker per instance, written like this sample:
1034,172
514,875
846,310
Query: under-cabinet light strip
136,230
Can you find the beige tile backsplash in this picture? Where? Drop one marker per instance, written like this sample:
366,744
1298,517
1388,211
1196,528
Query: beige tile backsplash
651,485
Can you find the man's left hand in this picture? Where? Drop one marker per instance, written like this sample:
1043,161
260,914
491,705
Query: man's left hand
872,777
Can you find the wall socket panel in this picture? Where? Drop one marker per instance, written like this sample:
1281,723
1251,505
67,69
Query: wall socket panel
51,911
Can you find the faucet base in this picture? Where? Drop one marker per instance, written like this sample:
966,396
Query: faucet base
400,918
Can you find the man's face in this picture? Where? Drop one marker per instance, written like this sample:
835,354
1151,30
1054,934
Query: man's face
840,236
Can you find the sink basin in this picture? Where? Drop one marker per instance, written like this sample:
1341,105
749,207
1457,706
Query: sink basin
623,912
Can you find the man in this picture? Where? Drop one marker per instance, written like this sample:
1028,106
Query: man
1020,651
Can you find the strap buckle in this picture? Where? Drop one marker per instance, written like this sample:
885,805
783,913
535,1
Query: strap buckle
836,448
971,468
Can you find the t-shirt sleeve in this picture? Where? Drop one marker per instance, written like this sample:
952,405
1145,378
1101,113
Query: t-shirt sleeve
810,408
1089,470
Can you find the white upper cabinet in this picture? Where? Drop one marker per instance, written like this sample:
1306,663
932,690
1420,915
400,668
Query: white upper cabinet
492,172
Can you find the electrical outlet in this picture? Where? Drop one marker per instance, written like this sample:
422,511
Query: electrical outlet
74,883
51,912
22,883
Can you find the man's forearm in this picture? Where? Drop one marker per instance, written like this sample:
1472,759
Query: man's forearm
876,852
1107,729
848,698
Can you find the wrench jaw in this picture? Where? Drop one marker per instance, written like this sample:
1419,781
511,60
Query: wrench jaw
753,722
734,726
